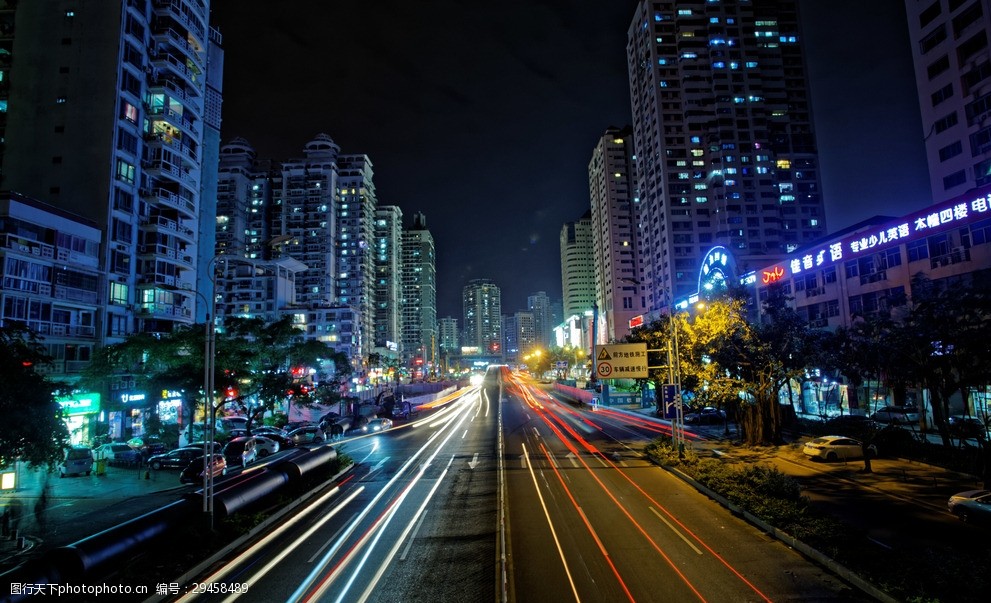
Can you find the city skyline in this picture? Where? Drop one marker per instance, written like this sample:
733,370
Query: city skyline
513,119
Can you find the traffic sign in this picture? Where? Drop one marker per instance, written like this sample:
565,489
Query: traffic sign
621,361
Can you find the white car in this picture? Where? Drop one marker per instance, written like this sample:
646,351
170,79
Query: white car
265,446
379,424
836,448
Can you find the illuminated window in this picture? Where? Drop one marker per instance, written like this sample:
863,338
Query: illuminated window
784,164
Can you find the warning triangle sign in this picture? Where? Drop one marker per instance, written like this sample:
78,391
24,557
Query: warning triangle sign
604,355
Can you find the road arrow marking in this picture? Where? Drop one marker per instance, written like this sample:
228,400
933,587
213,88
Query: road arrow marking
474,461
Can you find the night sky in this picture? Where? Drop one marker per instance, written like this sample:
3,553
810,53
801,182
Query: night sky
483,116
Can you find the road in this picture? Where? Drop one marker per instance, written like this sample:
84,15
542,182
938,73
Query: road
505,493
589,520
415,521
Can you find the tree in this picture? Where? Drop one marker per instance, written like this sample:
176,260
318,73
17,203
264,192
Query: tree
253,364
763,357
257,359
657,336
171,361
32,428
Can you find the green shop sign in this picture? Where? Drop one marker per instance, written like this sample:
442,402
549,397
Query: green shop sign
80,404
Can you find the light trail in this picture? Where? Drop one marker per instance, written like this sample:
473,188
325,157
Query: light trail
622,508
550,524
307,591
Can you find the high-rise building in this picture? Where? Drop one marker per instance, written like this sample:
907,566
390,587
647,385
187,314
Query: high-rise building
447,328
388,279
112,113
517,336
615,218
355,276
723,132
482,303
303,212
248,281
578,266
543,321
419,296
953,75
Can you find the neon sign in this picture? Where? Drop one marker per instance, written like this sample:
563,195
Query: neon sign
773,275
953,213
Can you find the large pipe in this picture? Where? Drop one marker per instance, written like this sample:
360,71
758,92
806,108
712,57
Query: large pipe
105,551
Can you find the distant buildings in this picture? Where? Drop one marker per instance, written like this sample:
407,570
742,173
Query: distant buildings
540,305
419,297
482,335
388,279
578,266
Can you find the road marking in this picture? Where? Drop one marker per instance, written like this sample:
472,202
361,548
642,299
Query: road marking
412,537
574,460
474,461
464,434
550,524
535,432
673,529
523,461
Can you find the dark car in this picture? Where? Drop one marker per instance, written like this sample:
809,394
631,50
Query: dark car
967,427
855,426
175,459
705,416
148,447
117,454
193,473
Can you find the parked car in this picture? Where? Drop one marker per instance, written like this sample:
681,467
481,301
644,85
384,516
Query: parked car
78,460
380,424
148,447
118,454
306,435
705,416
175,459
856,426
836,448
193,473
967,427
283,440
972,505
900,415
241,451
265,430
266,445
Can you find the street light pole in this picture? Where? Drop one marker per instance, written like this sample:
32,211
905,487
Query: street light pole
208,377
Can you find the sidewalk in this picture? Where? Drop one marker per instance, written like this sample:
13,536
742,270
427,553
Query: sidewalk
78,506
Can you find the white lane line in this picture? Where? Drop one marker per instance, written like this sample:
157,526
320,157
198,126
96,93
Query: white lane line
574,459
550,523
675,530
412,536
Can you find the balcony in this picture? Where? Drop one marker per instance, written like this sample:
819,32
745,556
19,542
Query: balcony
874,277
957,256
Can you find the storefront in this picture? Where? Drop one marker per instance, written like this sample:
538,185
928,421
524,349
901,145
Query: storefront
79,412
